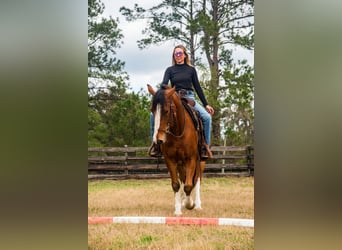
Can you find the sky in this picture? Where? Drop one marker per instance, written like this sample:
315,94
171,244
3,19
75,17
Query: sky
146,66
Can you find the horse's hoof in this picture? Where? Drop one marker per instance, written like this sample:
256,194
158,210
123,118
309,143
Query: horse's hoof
178,212
190,207
198,208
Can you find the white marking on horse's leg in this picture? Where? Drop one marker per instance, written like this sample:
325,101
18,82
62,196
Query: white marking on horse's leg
182,194
156,123
197,194
178,203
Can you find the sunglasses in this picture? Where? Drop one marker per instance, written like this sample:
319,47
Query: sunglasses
178,53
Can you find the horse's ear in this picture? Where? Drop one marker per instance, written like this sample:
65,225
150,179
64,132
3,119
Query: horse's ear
171,91
150,89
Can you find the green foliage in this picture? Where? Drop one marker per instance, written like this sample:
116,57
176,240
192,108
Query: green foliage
238,103
223,22
104,37
115,117
124,121
97,129
129,121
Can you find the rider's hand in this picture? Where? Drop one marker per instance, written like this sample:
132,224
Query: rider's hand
210,109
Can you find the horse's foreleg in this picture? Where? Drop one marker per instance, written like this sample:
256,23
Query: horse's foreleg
173,174
197,194
189,203
175,185
188,186
178,203
190,171
178,194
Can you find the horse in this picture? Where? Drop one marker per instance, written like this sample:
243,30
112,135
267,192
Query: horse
177,136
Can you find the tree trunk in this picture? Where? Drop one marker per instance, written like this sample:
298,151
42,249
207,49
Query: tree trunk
211,47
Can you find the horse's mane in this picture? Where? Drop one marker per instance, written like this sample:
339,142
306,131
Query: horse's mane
159,97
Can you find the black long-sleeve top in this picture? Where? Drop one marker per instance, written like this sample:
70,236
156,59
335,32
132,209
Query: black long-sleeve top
184,76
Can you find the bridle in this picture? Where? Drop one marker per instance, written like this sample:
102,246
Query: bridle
171,119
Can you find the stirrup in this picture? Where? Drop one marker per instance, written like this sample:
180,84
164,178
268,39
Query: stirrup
205,153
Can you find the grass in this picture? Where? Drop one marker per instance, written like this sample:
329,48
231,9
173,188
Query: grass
221,197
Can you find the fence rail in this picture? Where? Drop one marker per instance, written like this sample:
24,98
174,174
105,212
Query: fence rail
134,163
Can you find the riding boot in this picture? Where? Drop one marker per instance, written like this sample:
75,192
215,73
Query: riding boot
205,152
154,150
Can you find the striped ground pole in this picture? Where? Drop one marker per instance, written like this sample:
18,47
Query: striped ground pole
173,221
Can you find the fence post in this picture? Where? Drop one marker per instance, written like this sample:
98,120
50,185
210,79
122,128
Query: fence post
126,159
224,153
249,159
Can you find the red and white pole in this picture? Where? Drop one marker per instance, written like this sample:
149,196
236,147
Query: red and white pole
173,221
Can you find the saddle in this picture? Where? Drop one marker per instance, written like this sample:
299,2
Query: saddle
196,119
182,94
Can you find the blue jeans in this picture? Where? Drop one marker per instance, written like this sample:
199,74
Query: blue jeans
205,117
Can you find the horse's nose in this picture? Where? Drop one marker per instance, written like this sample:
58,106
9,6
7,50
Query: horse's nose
159,141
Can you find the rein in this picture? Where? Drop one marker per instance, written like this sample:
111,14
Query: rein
167,130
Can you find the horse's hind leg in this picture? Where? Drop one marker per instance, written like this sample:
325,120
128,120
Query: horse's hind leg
198,203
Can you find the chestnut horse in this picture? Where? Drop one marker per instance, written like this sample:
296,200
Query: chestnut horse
177,136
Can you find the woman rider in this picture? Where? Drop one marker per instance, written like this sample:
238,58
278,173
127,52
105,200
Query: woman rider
183,76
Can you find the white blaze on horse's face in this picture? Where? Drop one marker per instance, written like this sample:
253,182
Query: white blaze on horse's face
157,116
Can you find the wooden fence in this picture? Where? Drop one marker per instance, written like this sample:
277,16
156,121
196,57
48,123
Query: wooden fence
134,163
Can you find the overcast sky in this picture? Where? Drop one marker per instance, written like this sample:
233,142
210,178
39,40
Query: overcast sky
147,65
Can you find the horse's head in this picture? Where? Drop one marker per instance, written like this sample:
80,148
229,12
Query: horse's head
161,109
